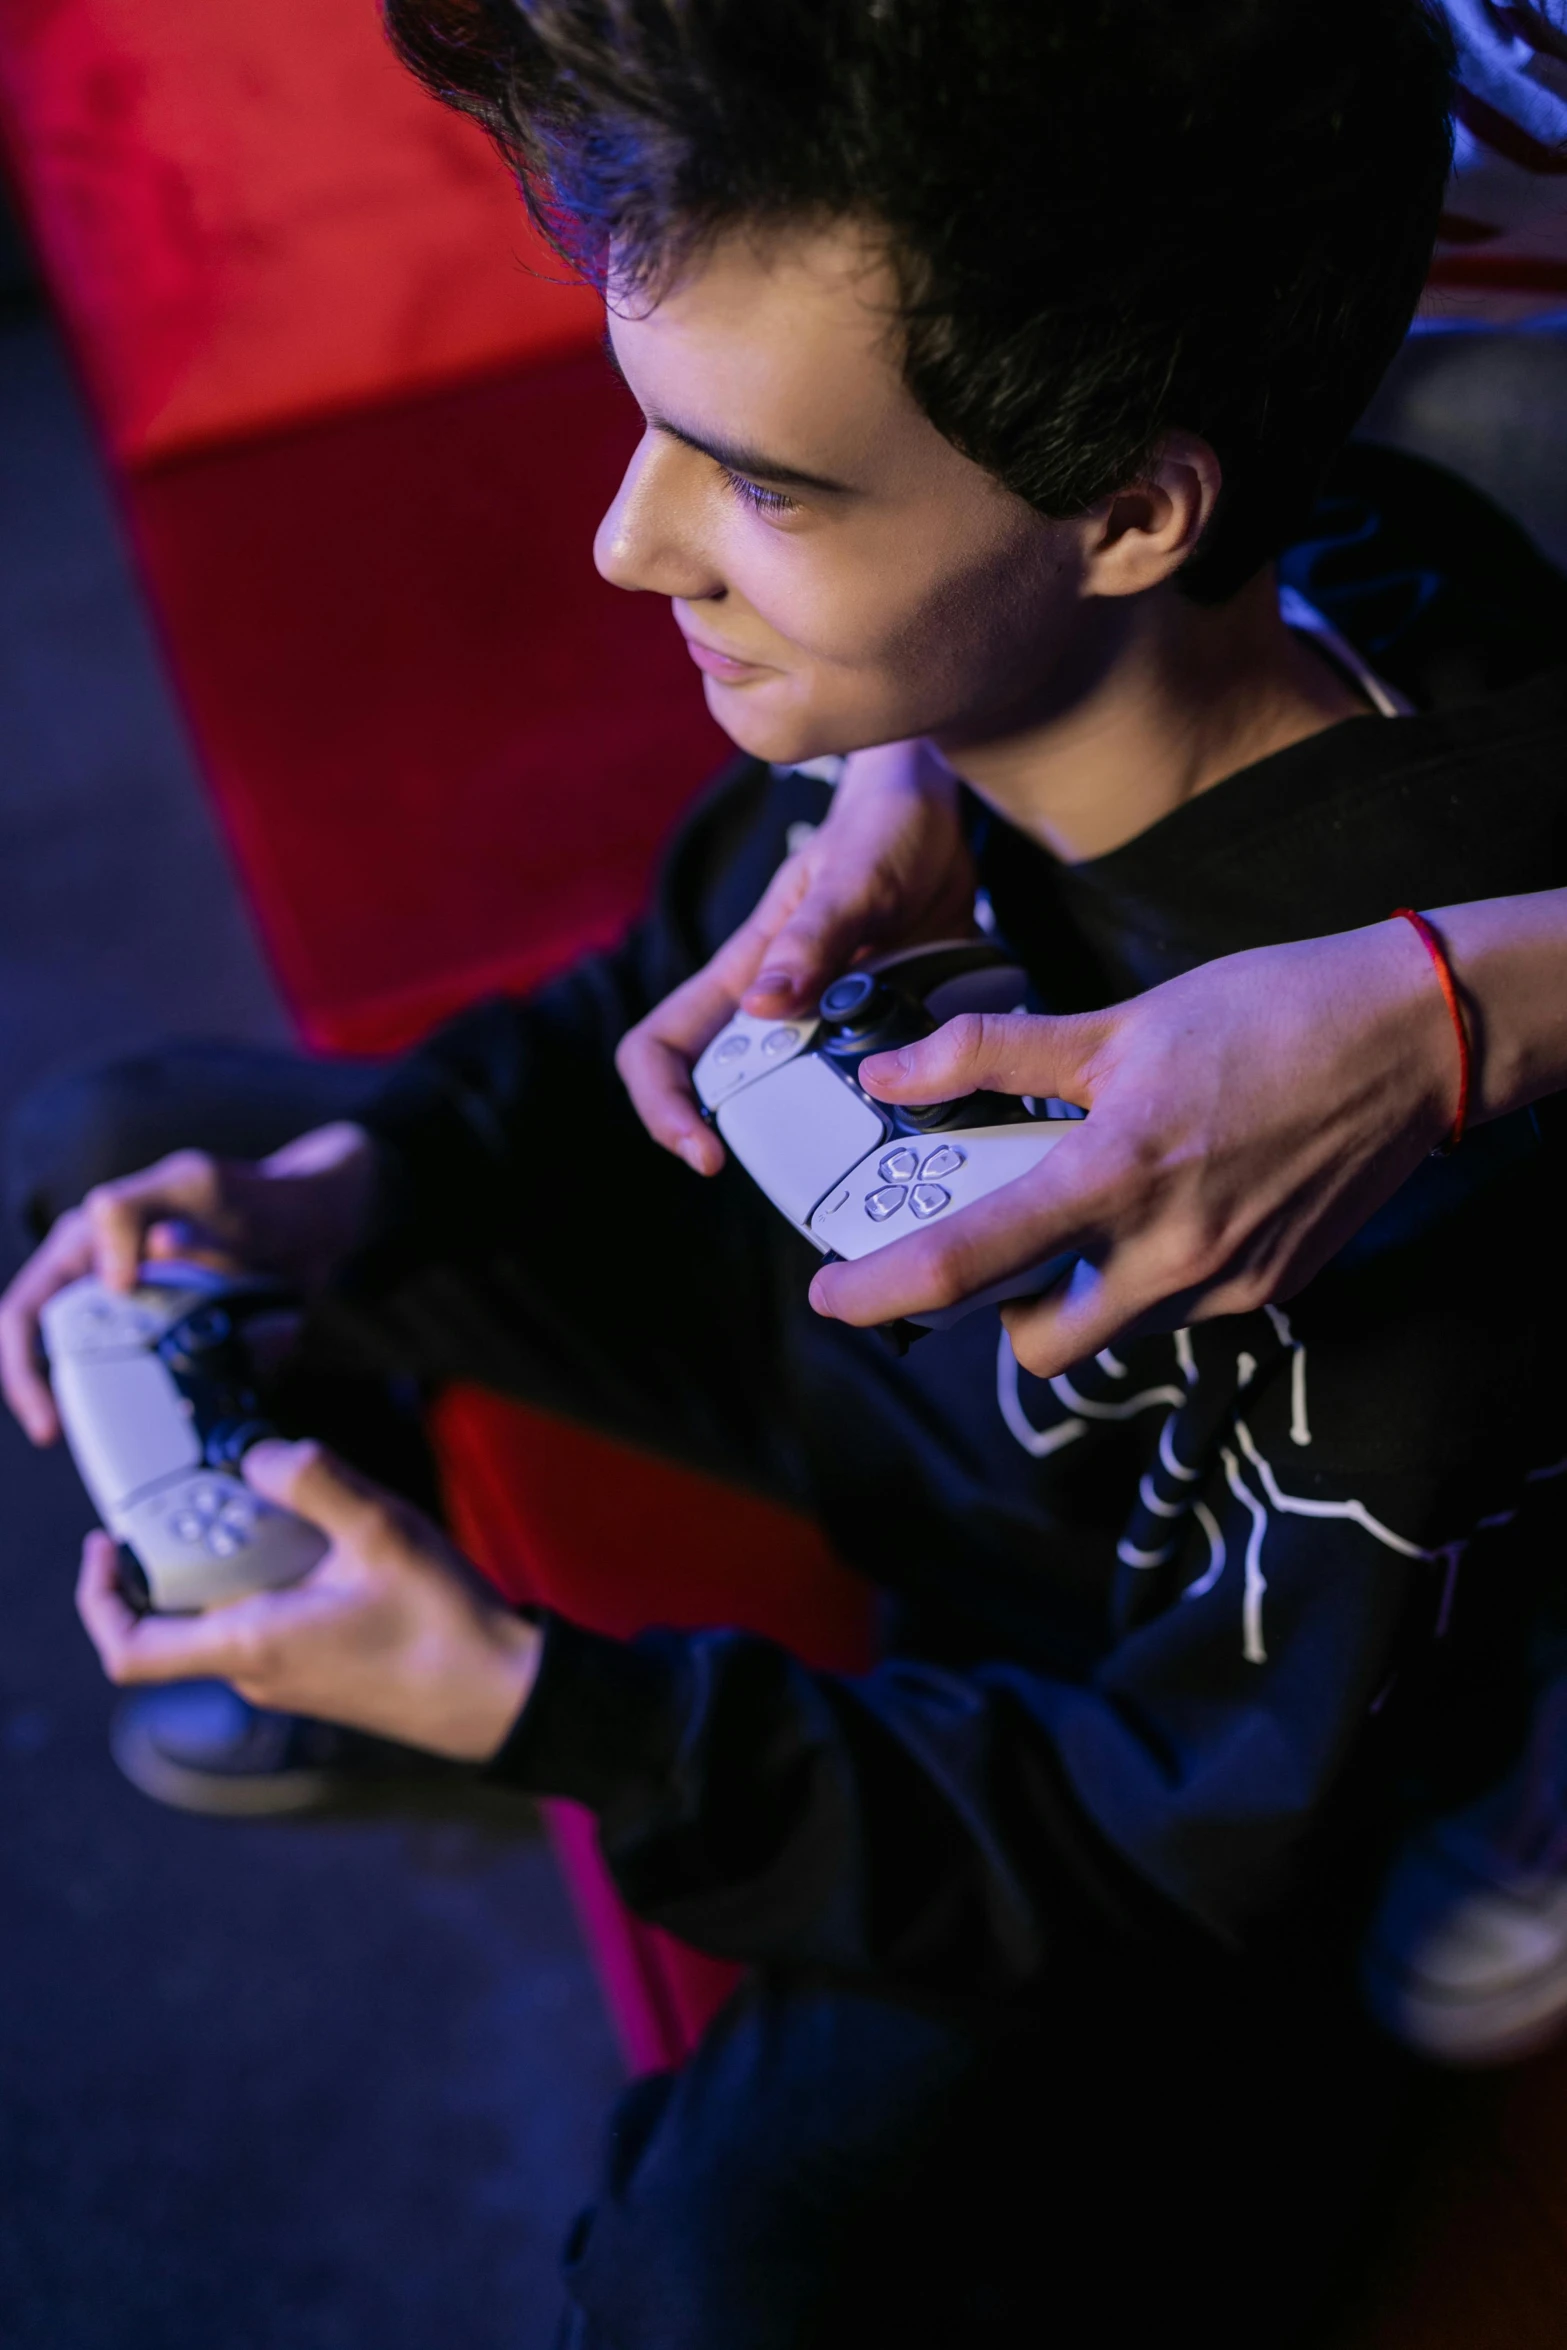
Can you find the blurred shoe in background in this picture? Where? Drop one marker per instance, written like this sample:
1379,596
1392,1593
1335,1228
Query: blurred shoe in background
1467,1956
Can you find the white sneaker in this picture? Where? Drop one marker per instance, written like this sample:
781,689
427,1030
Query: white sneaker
1466,1960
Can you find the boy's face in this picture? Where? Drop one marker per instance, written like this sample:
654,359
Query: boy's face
840,573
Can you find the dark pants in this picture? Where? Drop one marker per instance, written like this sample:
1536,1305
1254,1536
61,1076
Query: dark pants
1158,2144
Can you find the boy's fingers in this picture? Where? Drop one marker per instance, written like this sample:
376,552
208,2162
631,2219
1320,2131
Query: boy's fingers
225,1644
140,1648
1051,1211
655,1058
175,1240
1005,1052
64,1257
1095,1306
117,1223
834,921
315,1484
25,1386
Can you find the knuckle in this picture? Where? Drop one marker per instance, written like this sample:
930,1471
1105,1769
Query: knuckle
252,1656
190,1170
947,1271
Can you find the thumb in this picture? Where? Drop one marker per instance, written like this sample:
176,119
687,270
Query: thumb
314,1484
1004,1052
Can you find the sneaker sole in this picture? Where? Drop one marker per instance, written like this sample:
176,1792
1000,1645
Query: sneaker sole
1472,2033
261,1795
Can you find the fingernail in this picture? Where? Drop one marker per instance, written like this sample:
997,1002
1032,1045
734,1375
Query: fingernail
693,1149
818,1296
773,983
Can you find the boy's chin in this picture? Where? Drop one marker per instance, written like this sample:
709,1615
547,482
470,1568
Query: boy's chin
781,736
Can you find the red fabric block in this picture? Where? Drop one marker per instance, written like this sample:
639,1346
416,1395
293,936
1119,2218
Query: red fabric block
252,216
446,752
618,1540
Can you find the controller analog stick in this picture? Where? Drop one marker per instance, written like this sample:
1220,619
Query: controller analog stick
856,1002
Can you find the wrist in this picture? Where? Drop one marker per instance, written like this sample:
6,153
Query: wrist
1509,956
1411,1053
497,1690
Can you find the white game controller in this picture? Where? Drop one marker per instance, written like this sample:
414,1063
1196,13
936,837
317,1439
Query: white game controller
156,1396
852,1173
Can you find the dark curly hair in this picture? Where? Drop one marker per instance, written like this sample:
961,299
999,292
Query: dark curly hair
1107,218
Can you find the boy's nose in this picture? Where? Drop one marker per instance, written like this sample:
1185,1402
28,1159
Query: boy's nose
651,536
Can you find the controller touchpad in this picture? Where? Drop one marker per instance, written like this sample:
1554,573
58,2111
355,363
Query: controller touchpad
799,1133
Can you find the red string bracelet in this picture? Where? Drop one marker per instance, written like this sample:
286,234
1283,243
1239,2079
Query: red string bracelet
1437,951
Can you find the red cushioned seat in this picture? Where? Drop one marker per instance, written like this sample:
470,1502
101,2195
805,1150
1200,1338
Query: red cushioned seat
618,1540
362,450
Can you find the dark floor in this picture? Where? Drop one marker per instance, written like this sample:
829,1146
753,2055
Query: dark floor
276,2087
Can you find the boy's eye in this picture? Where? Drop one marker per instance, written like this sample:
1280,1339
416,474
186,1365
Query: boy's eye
752,494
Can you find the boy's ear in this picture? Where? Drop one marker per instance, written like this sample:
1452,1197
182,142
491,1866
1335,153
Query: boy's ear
1139,536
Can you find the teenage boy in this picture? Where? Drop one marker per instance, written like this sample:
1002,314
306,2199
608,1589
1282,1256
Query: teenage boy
989,353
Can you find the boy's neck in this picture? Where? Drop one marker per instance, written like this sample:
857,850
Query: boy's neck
1158,699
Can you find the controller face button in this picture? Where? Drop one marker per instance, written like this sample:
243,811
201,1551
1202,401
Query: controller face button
945,1161
886,1202
208,1498
187,1526
733,1048
899,1165
928,1199
223,1542
779,1040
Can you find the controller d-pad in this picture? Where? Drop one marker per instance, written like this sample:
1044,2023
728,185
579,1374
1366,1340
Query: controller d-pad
733,1048
886,1202
219,1518
928,1199
779,1040
899,1166
945,1161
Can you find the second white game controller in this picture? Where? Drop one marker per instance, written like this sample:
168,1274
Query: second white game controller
157,1397
852,1173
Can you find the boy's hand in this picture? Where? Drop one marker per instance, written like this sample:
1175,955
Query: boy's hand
888,867
297,1213
393,1632
1246,1119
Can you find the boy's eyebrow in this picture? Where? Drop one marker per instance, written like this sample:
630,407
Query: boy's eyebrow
752,461
725,453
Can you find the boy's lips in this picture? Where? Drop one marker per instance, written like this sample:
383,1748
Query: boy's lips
728,668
